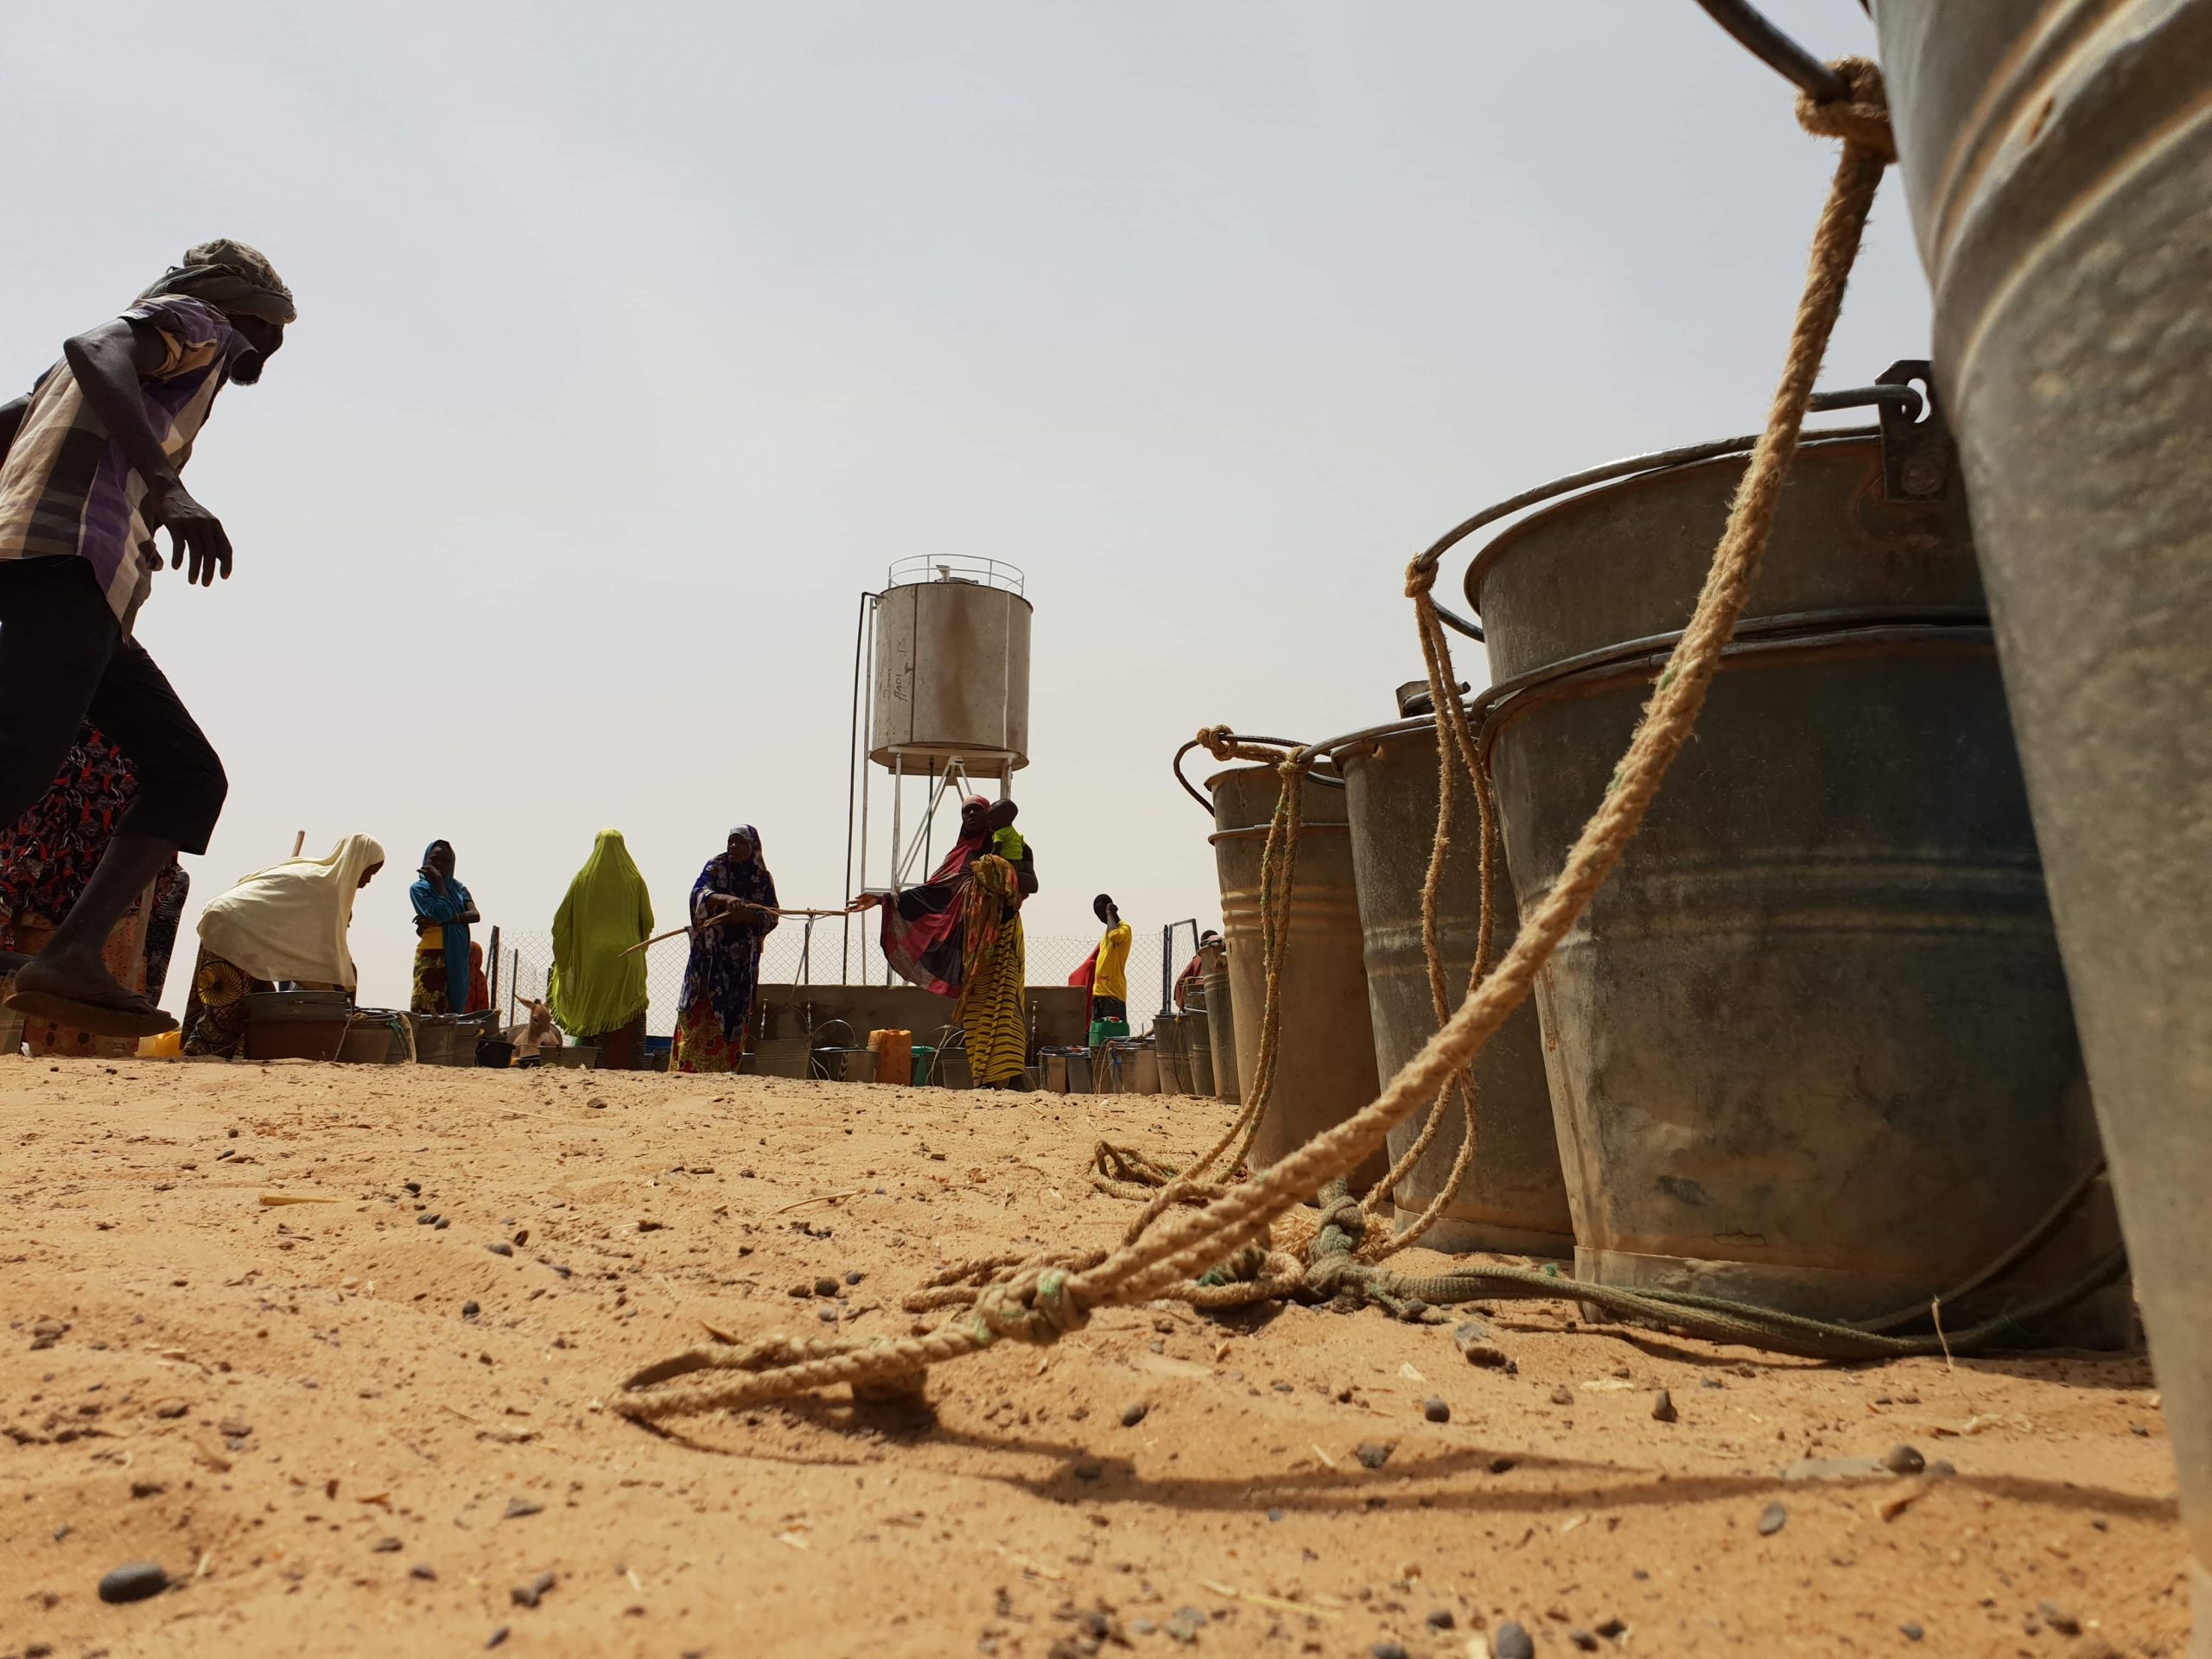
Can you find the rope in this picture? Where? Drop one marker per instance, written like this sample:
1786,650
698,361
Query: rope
1224,1243
1126,1173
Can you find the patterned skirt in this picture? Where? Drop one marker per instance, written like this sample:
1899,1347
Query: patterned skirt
992,1016
431,994
701,1045
214,1012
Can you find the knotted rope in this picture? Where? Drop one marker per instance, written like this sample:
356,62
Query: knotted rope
1227,1241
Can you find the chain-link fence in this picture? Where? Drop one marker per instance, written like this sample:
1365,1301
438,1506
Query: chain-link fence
790,958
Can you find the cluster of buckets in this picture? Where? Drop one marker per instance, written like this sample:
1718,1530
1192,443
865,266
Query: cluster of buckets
1811,1047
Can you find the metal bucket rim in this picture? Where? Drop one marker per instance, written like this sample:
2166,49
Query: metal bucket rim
1361,745
1647,663
1699,458
1261,831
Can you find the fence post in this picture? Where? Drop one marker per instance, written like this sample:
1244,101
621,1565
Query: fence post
491,955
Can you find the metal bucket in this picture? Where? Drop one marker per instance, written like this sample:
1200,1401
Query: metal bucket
1513,1198
1174,1069
1197,1051
1221,1023
1325,1060
1810,1046
784,1056
2058,159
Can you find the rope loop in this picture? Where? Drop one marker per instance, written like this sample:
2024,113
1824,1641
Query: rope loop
1219,741
1860,118
1420,578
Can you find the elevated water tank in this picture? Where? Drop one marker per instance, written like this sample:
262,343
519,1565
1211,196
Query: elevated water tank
951,666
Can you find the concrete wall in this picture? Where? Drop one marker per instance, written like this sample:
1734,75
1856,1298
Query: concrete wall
1056,1011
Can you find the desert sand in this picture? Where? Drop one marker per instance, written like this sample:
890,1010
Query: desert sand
344,1427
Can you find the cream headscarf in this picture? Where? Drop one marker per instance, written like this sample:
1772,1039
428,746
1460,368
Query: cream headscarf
290,920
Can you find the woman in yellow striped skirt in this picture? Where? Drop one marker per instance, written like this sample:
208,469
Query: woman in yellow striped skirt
959,934
990,1012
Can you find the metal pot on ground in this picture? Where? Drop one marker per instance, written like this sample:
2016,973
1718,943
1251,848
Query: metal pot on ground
1513,1198
1811,1044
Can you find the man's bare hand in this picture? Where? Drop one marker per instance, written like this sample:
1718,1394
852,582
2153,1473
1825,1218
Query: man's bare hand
194,533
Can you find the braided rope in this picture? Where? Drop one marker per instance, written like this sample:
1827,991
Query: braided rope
1040,1303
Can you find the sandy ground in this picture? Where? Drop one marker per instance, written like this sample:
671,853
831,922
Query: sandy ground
343,1430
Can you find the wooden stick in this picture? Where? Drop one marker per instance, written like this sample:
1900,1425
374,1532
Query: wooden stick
674,932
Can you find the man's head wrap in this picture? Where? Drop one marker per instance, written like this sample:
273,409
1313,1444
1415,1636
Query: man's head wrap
232,278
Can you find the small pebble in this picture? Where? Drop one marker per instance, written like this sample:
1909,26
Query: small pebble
439,1226
1910,1631
1089,1468
171,1409
826,1315
1441,1619
1584,1640
1499,1466
499,1635
1772,1519
1386,1650
1562,1395
2138,1429
1134,1413
414,1188
1436,1410
529,1595
469,1310
522,1235
424,1571
825,1286
518,1507
426,1219
134,1582
854,1276
1511,1642
2059,1619
1275,1515
1372,1454
385,1547
1477,1345
1904,1460
501,1247
1613,1629
1663,1409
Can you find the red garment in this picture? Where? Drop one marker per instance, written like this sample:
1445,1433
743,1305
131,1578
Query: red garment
1084,977
922,932
480,993
1194,973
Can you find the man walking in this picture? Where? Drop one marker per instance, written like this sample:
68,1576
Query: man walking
1110,979
89,465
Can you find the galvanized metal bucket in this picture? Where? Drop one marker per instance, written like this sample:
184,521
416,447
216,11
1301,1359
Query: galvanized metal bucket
1197,1051
2058,159
1513,1198
1810,1046
1167,1039
1221,1022
1324,1062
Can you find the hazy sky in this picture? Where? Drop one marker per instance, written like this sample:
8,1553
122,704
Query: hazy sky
636,341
